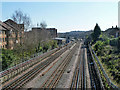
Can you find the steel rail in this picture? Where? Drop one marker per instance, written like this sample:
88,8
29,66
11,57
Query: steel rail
77,73
84,70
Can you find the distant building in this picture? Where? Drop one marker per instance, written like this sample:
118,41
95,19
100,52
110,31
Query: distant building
60,41
11,34
52,31
113,31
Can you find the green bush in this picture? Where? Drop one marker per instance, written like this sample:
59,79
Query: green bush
98,47
46,47
114,42
8,58
106,42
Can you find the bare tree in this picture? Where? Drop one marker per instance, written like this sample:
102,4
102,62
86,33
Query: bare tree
43,25
45,34
20,18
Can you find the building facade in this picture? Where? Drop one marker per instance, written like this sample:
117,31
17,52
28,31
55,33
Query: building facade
11,34
53,32
2,37
114,31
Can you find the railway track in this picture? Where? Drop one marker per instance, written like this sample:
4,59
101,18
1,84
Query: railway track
78,77
95,82
54,78
9,74
19,82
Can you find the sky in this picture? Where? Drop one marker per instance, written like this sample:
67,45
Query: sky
66,16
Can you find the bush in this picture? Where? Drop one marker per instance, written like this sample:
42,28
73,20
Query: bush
113,42
8,58
46,46
98,47
106,42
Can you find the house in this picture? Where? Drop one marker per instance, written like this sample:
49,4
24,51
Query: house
2,36
10,34
113,32
18,28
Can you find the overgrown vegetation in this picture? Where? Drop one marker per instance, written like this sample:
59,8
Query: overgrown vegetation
108,51
107,48
13,57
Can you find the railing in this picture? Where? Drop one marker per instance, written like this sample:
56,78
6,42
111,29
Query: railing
96,67
102,69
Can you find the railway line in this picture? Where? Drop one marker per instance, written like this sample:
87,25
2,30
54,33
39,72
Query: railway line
83,69
19,82
85,74
54,78
95,83
79,78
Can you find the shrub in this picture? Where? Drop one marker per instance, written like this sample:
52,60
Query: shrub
106,42
114,42
98,47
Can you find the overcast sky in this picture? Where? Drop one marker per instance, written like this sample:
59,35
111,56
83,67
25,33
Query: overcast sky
66,16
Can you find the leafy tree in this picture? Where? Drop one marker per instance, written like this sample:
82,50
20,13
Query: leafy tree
96,33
